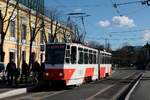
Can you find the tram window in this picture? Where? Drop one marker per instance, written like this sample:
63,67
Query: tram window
85,50
94,60
103,60
90,51
110,60
80,49
67,60
107,60
86,58
67,53
73,54
68,47
100,58
80,58
90,59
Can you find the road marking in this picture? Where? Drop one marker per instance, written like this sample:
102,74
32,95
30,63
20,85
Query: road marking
91,97
35,96
55,93
128,95
108,87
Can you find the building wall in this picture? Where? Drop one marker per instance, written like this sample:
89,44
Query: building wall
14,44
33,4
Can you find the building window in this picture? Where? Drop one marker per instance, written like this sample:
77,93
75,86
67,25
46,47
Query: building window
33,57
12,56
49,37
33,33
23,31
42,57
41,36
23,55
12,28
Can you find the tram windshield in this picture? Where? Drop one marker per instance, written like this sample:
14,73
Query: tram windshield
55,53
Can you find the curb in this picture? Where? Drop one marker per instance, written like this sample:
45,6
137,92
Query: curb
132,89
13,93
122,95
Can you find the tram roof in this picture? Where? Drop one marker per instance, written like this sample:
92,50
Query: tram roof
104,52
77,45
83,46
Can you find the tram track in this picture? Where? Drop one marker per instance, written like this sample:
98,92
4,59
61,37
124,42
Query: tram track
109,89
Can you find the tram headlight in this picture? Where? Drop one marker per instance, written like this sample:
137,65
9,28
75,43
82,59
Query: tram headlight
47,74
60,74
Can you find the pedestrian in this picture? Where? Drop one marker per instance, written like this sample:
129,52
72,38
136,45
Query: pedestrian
41,71
35,71
25,71
11,72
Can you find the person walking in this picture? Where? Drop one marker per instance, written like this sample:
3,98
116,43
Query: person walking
35,71
41,71
11,72
25,71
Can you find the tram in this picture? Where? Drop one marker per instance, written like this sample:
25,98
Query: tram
74,64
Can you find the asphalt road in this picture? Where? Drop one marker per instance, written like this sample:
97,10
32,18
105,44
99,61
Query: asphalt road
142,90
98,90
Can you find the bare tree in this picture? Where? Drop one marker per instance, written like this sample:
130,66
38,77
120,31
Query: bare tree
36,23
6,18
56,27
68,30
96,45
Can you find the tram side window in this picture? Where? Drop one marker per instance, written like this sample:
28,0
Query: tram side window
109,59
73,54
106,59
100,58
103,59
67,56
94,59
85,58
90,58
80,58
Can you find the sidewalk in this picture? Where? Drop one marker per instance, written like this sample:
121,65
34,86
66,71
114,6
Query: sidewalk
13,90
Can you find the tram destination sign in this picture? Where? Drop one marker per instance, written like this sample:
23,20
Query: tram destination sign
56,46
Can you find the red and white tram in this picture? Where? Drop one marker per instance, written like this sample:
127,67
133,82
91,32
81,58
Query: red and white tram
74,64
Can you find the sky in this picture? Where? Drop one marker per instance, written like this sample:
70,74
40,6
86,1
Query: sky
126,24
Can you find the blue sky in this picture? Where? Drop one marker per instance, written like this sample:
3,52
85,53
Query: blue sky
104,20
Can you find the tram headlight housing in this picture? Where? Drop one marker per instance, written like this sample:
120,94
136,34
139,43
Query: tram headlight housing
47,74
60,74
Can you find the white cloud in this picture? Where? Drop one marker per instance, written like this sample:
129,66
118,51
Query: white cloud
146,36
118,21
105,23
122,21
78,10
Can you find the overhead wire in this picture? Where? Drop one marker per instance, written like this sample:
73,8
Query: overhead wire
130,31
115,8
59,4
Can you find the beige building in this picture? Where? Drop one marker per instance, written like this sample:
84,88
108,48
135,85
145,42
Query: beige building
17,40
